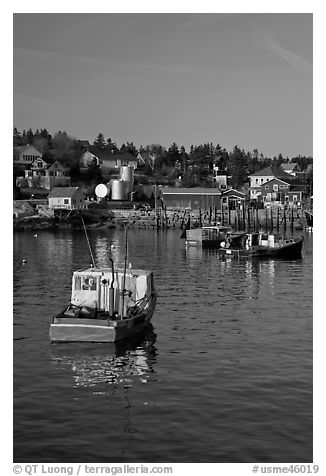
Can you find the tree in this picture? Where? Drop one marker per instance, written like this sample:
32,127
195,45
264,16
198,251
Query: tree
99,142
237,166
173,155
30,136
111,146
63,148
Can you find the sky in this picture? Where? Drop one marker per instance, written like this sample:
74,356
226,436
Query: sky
228,78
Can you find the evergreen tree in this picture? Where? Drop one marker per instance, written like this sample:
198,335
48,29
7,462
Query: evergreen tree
111,147
237,166
99,142
30,136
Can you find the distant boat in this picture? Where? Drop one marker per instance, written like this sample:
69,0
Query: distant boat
261,245
309,218
107,305
207,236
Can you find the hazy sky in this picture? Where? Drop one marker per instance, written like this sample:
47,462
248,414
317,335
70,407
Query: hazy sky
230,79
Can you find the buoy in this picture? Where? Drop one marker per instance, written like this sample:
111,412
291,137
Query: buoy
35,236
24,261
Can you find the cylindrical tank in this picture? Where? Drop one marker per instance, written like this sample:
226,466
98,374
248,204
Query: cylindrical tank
118,190
127,175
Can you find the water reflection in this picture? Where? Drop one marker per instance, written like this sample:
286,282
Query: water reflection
122,363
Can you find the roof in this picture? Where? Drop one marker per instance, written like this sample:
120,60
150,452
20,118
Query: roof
232,191
190,191
57,166
60,192
22,148
272,172
277,178
106,155
290,166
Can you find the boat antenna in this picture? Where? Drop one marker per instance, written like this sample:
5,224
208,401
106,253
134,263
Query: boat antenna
124,270
89,245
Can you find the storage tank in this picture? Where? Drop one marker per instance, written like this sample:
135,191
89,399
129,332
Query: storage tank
127,175
118,190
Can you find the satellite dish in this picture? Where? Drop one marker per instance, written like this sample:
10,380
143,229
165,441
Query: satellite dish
101,190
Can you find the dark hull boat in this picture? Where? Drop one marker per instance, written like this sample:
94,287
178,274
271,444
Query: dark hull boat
259,245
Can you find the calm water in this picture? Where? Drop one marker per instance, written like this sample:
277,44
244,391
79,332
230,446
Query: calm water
223,375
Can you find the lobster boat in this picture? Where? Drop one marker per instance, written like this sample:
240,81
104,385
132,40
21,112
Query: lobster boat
106,305
261,245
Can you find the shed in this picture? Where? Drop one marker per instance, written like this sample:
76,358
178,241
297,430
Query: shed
68,198
192,198
232,197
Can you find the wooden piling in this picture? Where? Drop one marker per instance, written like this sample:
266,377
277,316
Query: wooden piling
284,219
266,223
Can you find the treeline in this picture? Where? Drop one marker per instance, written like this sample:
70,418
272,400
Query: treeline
192,168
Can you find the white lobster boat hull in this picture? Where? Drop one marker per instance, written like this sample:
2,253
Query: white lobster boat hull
72,329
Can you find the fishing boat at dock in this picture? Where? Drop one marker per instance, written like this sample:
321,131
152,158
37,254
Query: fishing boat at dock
107,304
261,245
207,236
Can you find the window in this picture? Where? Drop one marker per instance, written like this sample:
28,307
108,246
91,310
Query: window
89,283
256,180
275,188
267,187
295,198
283,186
66,201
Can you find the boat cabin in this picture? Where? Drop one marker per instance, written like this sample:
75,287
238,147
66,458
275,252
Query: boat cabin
249,240
207,235
112,292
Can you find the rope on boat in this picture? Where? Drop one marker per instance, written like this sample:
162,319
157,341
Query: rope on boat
89,245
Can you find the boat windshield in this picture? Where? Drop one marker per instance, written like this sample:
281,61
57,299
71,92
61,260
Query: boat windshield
86,283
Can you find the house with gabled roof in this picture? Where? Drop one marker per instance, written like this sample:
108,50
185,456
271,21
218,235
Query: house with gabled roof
291,168
25,155
259,178
44,176
107,161
68,198
283,191
231,198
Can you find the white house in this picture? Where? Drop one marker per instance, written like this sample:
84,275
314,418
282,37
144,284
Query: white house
106,161
69,198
